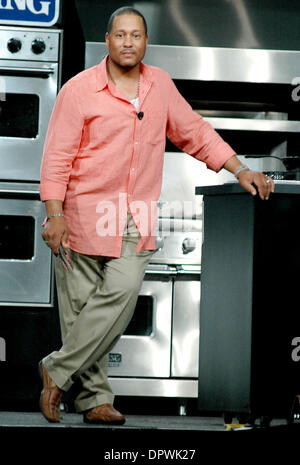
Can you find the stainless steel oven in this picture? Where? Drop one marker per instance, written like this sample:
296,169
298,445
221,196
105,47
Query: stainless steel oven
29,80
144,349
29,324
26,277
29,321
158,353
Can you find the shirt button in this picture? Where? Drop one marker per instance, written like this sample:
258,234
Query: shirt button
136,142
132,169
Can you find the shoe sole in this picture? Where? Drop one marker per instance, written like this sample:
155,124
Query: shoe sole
103,422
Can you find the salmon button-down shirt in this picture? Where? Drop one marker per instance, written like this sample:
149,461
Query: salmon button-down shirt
102,161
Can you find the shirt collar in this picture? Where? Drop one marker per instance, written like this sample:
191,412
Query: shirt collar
102,79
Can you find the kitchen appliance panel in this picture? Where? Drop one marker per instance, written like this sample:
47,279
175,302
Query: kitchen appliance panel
20,157
30,74
22,41
186,325
183,247
147,355
177,198
155,387
25,278
214,63
225,64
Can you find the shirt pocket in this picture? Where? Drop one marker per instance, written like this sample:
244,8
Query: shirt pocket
156,128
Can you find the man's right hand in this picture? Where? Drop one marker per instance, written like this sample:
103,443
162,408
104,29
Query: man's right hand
56,232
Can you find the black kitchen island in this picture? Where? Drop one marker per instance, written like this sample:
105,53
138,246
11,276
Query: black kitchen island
249,314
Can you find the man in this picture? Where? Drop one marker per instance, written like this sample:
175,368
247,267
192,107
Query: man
100,176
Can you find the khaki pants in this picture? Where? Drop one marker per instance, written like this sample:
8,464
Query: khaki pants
96,303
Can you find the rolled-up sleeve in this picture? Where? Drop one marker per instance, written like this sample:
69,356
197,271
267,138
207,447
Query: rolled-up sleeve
195,136
61,144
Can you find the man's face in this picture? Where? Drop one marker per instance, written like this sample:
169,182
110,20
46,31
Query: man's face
127,41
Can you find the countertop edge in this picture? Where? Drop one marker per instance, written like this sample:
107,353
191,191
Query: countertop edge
281,187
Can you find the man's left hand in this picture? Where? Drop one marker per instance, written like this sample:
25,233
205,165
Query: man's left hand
254,181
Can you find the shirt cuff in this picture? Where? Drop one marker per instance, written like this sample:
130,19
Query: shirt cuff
217,162
52,191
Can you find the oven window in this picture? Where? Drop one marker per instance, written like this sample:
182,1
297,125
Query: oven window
19,116
16,237
142,320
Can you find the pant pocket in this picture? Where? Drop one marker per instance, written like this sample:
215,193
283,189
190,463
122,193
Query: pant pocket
145,253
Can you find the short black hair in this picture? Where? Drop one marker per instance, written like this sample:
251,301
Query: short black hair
125,10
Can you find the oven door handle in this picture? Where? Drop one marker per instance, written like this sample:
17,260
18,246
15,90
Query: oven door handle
8,193
189,272
161,272
18,71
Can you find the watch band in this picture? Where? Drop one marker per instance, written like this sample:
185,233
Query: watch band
239,169
54,214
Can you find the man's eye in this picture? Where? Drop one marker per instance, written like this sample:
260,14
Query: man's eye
136,36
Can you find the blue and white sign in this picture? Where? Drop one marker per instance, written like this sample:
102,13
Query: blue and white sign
29,12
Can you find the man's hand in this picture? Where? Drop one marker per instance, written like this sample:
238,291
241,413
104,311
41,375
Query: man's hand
253,181
56,232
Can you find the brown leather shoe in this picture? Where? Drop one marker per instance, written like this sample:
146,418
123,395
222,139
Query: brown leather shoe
50,397
104,414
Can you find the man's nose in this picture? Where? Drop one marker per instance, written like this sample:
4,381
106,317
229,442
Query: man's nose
127,41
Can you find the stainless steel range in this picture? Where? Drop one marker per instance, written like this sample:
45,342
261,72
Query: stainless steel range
29,79
30,61
158,354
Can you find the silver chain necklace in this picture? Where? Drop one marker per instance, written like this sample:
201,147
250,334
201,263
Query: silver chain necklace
138,86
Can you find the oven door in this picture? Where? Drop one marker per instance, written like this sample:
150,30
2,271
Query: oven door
28,92
144,350
25,261
186,322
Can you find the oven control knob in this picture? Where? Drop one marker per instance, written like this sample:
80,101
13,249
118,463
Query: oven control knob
38,46
14,45
188,245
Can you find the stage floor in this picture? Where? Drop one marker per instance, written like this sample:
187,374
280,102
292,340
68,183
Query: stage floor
137,422
142,440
